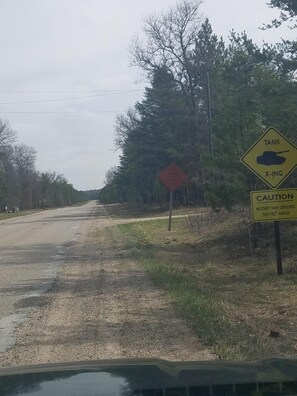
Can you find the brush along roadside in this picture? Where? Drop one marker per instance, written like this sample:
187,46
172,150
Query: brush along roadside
232,299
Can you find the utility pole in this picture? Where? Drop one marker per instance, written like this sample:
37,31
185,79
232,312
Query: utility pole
209,116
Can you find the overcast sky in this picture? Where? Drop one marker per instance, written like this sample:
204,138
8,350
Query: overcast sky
53,50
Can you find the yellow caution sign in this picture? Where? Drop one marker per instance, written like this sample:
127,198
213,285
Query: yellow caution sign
274,205
272,158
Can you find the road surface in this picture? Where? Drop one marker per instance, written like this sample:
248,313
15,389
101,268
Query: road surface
69,293
31,249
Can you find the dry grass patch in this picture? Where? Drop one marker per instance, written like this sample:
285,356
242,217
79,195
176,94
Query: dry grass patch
232,298
142,211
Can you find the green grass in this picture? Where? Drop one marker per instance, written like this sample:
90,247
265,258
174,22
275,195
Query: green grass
205,312
230,298
142,211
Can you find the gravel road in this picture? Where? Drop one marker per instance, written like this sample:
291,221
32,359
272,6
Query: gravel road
67,293
31,250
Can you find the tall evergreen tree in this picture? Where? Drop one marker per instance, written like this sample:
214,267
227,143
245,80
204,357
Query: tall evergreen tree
288,12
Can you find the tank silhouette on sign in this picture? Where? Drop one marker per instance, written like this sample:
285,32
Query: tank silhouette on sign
271,158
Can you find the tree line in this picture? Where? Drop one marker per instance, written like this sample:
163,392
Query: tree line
21,185
206,103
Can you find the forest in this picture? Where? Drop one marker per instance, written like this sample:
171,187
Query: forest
24,187
206,102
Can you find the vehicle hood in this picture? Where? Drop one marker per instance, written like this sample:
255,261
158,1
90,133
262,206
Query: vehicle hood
152,378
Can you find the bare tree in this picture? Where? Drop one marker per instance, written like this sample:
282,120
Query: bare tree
7,135
123,127
24,159
170,41
110,175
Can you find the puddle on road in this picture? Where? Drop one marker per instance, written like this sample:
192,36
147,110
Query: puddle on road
60,254
32,300
8,326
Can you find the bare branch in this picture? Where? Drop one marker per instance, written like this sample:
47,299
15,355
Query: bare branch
170,38
7,135
124,126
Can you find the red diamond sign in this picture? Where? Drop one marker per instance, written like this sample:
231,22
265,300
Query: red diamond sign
172,177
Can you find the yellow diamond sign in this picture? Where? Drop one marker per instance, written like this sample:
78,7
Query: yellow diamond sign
272,158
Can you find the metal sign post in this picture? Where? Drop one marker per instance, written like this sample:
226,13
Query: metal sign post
275,205
170,210
172,177
278,248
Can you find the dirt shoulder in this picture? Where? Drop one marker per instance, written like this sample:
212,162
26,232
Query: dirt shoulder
226,289
102,306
